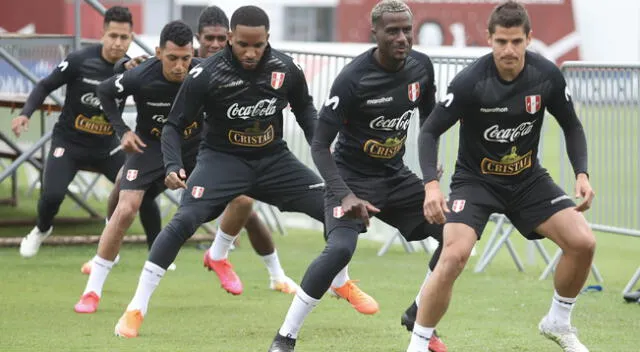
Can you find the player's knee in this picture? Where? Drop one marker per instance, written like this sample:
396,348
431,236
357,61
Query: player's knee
185,222
242,204
453,259
126,209
584,243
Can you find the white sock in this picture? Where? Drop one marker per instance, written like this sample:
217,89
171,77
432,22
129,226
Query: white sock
560,311
272,262
342,278
100,269
149,280
220,247
301,306
420,338
421,286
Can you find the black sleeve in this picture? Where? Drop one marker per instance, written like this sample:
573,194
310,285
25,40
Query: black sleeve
561,107
117,88
429,99
321,153
119,66
186,109
64,73
443,116
302,103
331,119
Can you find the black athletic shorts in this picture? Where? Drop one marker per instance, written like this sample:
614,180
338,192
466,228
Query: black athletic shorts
279,179
144,171
527,204
399,197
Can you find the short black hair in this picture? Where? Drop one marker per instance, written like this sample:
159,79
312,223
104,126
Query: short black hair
118,14
212,16
509,14
251,16
177,32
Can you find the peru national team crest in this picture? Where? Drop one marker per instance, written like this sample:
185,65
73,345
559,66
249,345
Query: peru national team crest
533,103
414,91
458,205
132,174
277,79
338,212
197,191
58,152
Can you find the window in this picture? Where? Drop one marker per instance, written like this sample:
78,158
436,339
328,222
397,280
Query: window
314,24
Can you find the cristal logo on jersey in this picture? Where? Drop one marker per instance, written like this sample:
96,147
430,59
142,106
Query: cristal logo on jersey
277,79
414,91
533,103
58,152
132,174
197,192
458,205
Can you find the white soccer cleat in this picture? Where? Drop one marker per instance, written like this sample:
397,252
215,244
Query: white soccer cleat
31,243
284,285
567,337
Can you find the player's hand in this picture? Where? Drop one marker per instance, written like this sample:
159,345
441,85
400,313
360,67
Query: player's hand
434,205
584,192
135,61
354,207
176,180
20,124
131,142
439,172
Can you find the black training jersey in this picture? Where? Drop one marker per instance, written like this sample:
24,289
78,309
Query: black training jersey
500,121
372,108
244,108
82,120
153,95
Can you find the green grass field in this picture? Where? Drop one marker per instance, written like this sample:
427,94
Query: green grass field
493,311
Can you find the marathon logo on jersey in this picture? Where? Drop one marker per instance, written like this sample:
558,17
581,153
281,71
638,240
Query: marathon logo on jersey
252,137
458,205
96,124
132,174
197,192
277,79
509,165
414,91
338,212
387,150
263,108
58,152
533,103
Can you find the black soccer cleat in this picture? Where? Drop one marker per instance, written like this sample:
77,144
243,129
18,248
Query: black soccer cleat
632,297
409,316
282,344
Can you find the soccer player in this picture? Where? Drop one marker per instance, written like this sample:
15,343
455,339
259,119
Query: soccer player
500,100
213,27
243,91
154,85
371,104
82,137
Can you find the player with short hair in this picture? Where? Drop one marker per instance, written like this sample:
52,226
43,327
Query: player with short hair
500,101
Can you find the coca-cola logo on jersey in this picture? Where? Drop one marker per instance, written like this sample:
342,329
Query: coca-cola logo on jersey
508,135
394,124
263,108
90,99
